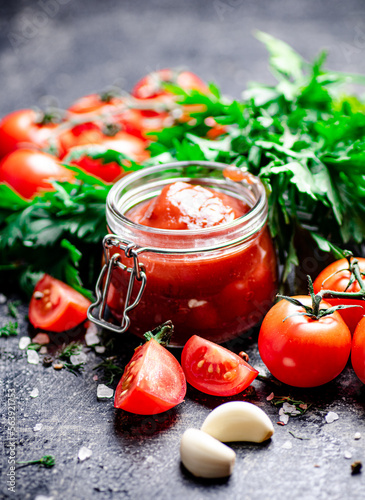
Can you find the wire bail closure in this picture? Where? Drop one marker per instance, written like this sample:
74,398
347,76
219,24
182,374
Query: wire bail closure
137,274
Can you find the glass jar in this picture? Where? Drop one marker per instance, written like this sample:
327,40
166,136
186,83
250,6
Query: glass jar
215,282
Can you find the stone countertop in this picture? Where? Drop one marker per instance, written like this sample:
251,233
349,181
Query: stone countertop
68,48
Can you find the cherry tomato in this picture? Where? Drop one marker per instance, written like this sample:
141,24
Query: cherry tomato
94,103
29,172
150,86
108,171
22,128
331,279
215,370
152,382
55,306
143,122
358,350
301,351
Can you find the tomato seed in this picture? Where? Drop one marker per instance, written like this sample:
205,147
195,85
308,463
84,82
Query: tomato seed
210,368
124,392
47,306
132,363
47,291
227,375
201,363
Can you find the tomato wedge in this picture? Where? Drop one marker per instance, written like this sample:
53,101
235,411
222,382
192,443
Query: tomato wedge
153,381
215,370
55,306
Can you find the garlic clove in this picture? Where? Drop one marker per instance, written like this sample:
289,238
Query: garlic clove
205,456
238,421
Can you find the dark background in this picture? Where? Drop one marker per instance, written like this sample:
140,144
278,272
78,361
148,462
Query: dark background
68,48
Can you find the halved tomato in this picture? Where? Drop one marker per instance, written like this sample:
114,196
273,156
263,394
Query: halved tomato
215,370
153,381
55,306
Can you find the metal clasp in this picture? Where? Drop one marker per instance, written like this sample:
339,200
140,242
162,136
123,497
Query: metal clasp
137,275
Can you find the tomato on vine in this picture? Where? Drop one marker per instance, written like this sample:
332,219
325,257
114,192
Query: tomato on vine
26,127
339,277
304,342
29,172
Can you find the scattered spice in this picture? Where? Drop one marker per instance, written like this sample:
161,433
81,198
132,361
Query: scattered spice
46,461
41,338
356,467
299,437
58,366
71,357
13,308
110,369
9,329
47,360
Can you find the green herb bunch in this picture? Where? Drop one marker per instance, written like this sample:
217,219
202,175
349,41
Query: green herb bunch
304,137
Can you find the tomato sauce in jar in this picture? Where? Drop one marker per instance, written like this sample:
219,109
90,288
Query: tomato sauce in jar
202,239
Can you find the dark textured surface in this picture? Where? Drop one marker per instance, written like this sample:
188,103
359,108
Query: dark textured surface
82,46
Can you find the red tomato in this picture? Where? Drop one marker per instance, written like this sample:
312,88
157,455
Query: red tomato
79,135
301,351
94,103
30,171
21,128
358,351
338,282
150,86
152,382
142,122
215,370
82,156
55,306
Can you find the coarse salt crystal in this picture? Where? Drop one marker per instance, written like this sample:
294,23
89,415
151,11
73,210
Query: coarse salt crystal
84,453
37,427
34,393
32,357
91,338
24,342
104,392
331,417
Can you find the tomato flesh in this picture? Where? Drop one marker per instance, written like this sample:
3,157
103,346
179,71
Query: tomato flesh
336,277
55,306
301,351
153,381
215,370
184,206
29,172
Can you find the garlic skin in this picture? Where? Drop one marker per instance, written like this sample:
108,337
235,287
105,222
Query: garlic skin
205,456
238,421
